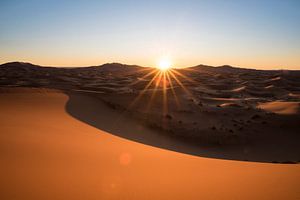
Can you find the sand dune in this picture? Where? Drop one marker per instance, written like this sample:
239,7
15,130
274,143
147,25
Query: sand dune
215,107
239,89
48,154
280,107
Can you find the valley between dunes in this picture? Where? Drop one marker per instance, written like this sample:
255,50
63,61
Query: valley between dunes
48,154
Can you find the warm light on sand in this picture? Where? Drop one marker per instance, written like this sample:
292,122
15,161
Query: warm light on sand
103,166
164,64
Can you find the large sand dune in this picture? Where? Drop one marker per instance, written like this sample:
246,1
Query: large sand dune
48,154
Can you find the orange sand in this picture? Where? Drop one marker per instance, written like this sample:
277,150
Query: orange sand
281,107
47,154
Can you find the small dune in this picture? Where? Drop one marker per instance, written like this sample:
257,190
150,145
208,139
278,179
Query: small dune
280,107
230,105
294,95
269,86
239,89
276,78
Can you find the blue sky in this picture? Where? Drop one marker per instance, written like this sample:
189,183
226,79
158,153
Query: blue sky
257,34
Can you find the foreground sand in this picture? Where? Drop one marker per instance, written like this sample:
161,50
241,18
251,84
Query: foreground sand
47,154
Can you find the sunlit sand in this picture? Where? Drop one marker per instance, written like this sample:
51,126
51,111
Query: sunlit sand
48,154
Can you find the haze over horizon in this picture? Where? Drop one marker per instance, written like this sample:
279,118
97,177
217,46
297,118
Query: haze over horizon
256,34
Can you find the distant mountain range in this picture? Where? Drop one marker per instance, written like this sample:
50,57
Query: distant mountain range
115,67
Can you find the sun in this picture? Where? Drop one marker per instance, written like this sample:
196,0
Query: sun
164,64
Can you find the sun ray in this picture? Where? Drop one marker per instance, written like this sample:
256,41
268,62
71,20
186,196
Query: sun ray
143,91
143,77
173,90
162,79
183,76
154,91
181,85
165,94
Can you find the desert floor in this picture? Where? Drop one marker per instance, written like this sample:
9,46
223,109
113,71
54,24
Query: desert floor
48,154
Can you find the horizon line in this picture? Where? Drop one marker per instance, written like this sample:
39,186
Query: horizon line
228,65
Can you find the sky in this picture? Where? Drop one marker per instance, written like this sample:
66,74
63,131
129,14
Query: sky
254,34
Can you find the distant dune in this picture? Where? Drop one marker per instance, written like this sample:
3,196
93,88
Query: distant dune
287,108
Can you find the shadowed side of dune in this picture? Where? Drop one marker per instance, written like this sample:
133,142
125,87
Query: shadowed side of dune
96,113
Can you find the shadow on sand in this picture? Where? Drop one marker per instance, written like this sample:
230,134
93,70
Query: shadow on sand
94,112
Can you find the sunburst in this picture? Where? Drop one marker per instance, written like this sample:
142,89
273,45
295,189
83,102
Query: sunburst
164,64
164,78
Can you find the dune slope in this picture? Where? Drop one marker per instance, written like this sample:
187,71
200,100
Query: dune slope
47,154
